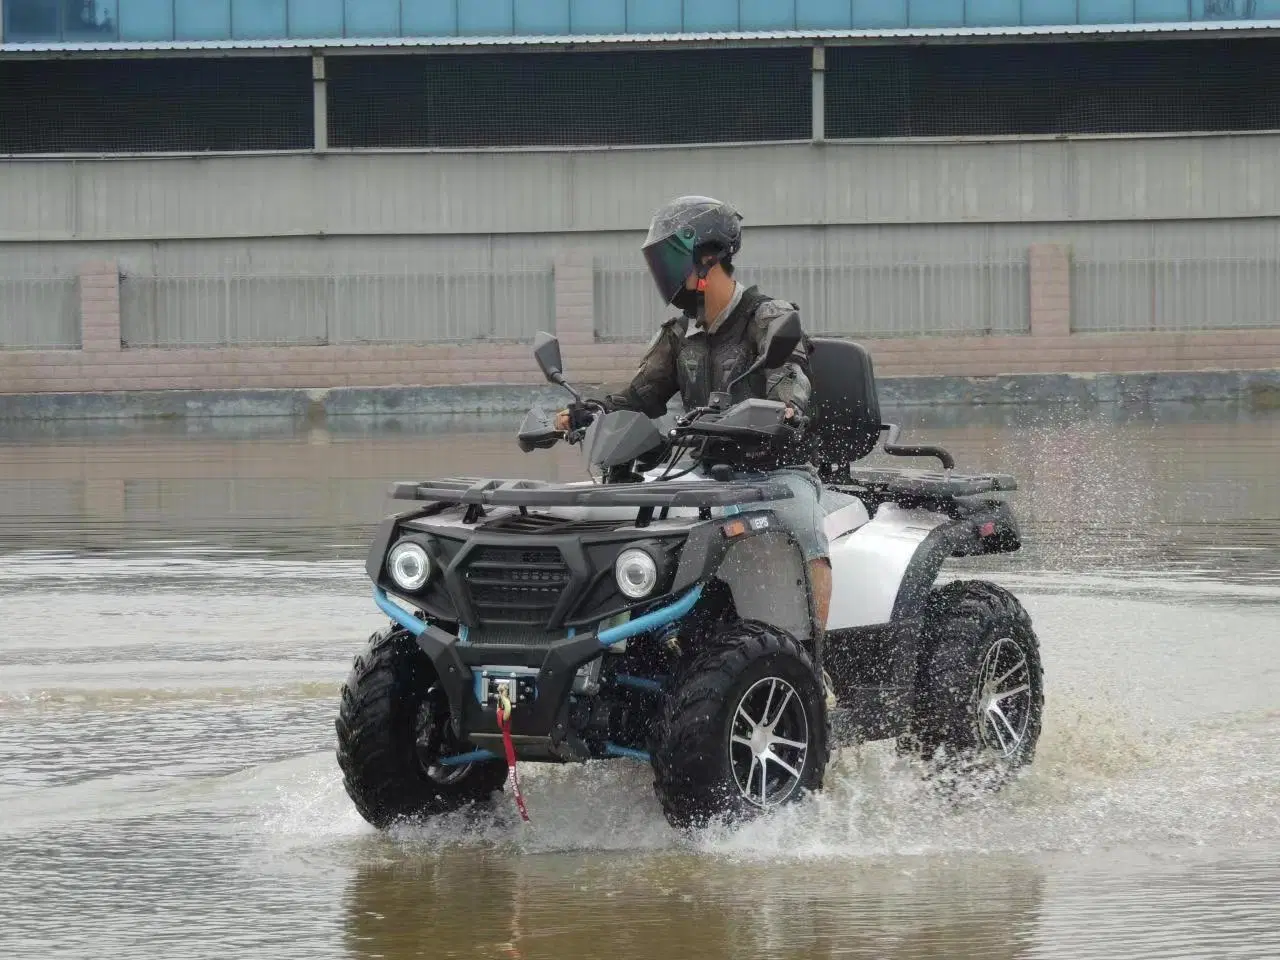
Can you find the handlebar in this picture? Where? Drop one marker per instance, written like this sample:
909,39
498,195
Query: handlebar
699,422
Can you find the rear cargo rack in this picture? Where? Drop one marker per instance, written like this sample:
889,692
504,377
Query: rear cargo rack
926,483
540,493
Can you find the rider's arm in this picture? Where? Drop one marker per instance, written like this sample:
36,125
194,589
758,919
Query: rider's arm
789,382
654,383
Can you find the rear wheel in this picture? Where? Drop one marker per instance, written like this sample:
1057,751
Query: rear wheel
745,731
980,690
393,730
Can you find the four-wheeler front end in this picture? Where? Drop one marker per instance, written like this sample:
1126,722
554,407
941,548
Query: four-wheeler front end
536,621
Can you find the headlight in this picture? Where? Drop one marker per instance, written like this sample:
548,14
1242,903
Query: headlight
409,565
636,573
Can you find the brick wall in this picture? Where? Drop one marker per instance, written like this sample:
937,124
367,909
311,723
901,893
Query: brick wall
103,365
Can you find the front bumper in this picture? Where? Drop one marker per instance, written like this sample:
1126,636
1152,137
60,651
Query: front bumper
539,727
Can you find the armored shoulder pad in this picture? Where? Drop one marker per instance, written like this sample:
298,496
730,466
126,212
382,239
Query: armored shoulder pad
769,309
668,326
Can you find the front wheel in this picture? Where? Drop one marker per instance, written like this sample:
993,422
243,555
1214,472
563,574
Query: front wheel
393,730
746,729
980,689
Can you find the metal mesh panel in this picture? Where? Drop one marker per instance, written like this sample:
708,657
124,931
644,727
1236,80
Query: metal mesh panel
547,99
1046,88
141,105
1174,294
352,308
39,313
903,299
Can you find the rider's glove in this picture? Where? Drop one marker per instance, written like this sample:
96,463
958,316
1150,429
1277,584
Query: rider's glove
580,416
796,420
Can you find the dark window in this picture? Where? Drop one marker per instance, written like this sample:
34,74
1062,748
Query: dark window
568,99
1162,86
142,105
36,21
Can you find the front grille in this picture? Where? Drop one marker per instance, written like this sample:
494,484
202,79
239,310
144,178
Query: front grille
516,584
512,636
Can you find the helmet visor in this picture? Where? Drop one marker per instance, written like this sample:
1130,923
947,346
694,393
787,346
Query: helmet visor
670,262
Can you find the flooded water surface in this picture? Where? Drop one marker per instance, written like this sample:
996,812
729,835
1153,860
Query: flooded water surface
181,602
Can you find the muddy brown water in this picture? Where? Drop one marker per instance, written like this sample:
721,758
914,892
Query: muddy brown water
180,602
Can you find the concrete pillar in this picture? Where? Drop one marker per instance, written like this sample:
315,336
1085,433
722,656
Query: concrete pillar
1050,290
100,306
575,299
575,314
818,75
320,103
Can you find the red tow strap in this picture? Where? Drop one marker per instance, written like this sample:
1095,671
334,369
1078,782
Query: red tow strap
504,724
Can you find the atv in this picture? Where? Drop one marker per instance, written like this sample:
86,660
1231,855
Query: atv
659,612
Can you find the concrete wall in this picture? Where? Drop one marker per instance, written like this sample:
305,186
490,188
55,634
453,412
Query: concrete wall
509,194
1050,347
1075,214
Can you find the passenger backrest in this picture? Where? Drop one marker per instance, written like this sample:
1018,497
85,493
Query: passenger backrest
847,424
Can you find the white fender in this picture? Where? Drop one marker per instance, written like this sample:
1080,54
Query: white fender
867,565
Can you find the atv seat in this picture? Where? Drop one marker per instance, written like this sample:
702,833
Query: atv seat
846,425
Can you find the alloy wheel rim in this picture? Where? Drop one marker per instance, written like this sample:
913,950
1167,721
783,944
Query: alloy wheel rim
768,742
1004,697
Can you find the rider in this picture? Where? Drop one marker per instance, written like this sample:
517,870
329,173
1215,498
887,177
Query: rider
689,251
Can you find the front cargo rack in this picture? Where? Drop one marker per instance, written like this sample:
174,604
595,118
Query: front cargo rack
539,493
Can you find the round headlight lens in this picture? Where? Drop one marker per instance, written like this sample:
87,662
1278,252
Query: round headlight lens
636,573
410,566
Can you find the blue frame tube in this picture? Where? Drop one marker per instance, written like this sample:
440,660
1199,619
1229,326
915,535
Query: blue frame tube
464,758
613,750
650,621
638,683
398,613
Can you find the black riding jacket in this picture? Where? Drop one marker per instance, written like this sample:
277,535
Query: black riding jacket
683,357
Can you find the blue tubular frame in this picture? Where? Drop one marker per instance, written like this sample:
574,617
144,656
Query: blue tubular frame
398,613
607,638
638,683
613,750
462,759
650,621
476,756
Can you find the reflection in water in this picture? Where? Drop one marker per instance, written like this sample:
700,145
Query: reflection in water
1187,488
181,602
635,908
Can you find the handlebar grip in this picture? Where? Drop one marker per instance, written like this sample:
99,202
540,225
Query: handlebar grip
580,416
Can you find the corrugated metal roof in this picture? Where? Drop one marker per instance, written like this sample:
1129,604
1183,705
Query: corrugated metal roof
790,36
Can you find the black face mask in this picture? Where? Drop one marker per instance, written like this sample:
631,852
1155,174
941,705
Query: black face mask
688,300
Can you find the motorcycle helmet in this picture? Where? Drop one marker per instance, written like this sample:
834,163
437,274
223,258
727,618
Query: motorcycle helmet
682,232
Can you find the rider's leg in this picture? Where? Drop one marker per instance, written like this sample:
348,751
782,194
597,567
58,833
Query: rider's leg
820,577
803,514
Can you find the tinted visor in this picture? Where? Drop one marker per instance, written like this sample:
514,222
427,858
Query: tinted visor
670,263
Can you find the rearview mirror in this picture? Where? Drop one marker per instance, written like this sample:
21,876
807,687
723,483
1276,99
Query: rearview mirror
783,337
546,350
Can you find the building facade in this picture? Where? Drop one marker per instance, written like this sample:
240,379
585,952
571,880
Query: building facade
97,21
318,193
